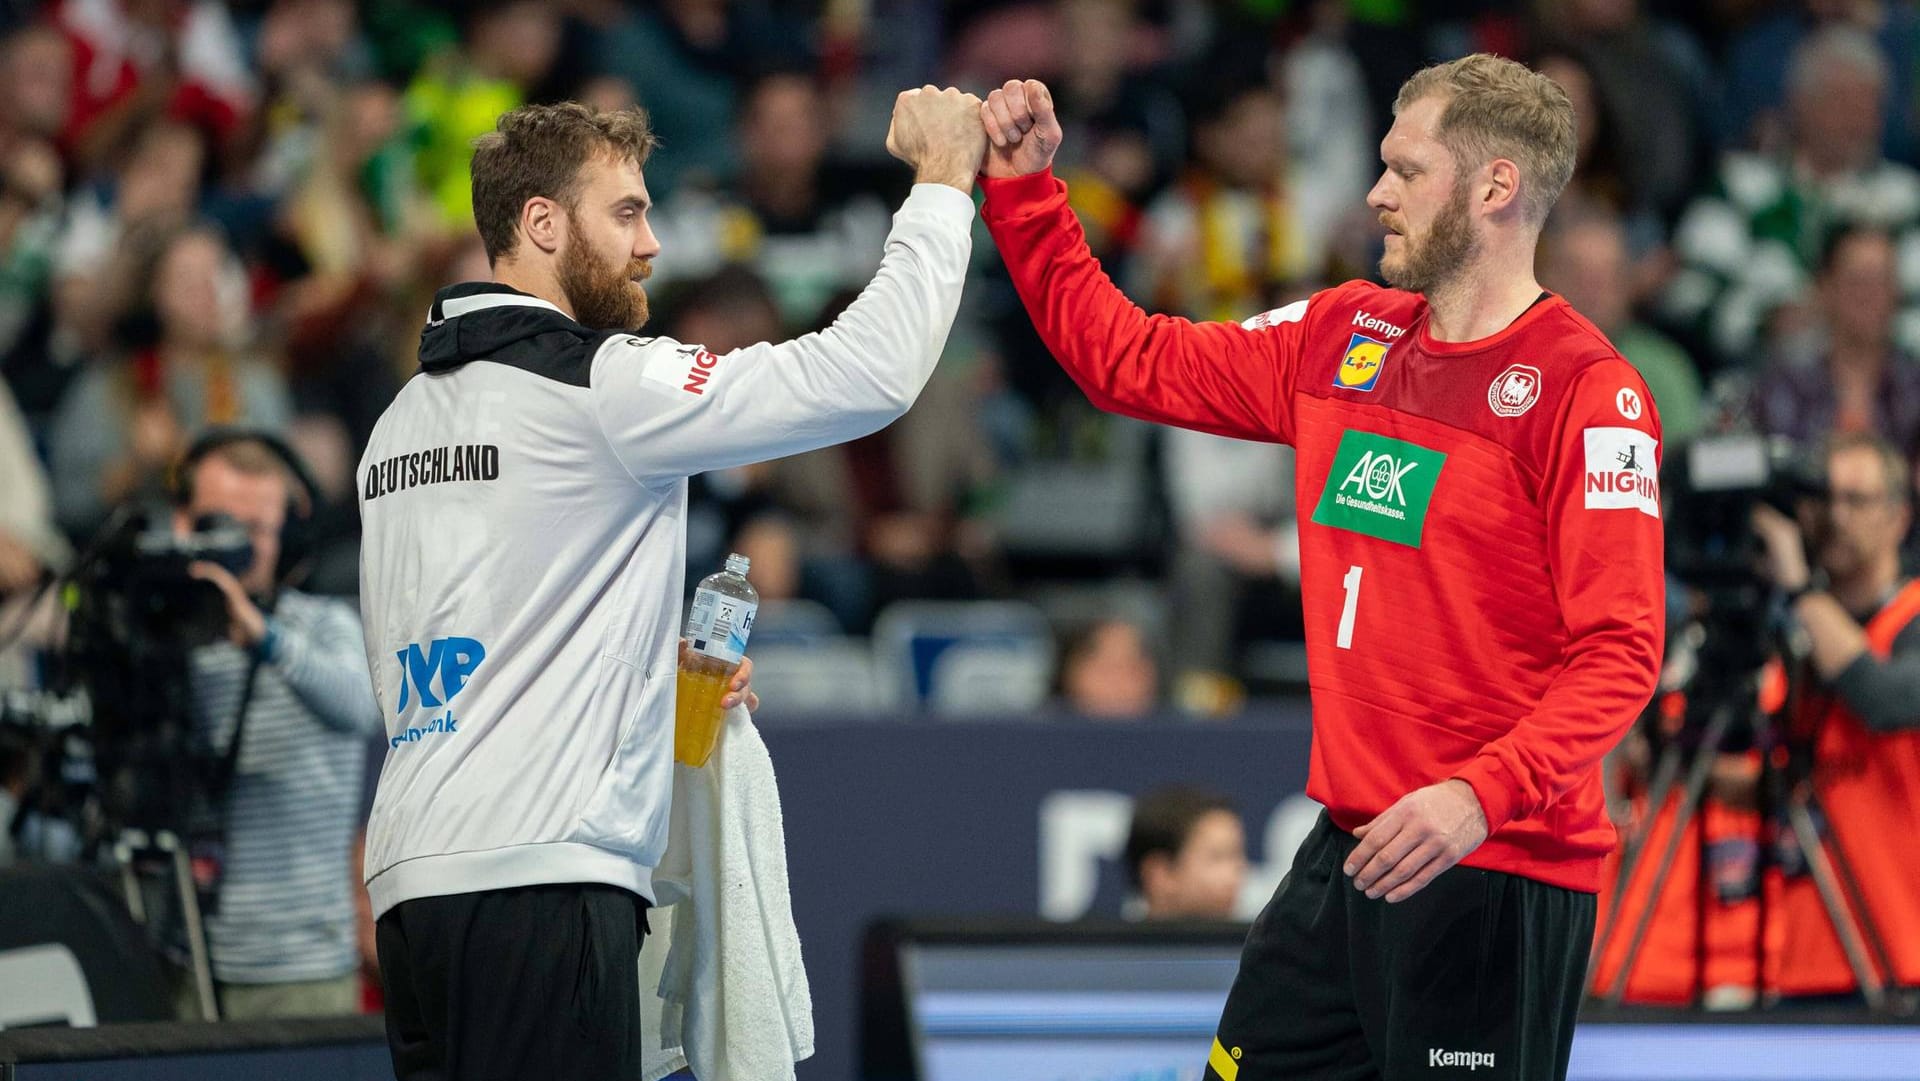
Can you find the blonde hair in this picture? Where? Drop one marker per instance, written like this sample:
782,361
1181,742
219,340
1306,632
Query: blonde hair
1496,108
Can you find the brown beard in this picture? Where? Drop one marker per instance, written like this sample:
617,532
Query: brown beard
1447,248
602,297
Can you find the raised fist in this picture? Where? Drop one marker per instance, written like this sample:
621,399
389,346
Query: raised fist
938,133
1022,127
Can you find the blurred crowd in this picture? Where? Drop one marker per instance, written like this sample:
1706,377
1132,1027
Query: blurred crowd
236,213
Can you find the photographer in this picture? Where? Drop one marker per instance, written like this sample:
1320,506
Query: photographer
1860,713
291,685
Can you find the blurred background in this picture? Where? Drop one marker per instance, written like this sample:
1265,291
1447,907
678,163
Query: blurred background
1022,662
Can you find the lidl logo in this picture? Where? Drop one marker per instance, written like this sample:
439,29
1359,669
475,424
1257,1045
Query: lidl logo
1380,487
1360,368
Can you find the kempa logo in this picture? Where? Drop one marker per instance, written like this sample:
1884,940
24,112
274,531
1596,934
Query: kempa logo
1380,487
1472,1060
1377,325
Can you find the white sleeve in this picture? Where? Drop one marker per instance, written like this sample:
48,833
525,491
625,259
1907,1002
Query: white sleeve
672,410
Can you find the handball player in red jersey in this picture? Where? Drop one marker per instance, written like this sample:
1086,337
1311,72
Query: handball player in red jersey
1481,568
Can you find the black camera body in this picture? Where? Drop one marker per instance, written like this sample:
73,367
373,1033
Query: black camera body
143,577
136,616
1714,484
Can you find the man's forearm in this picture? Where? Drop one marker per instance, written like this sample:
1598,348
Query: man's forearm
1838,639
329,676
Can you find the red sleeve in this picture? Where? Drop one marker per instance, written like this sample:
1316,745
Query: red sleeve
1225,378
1604,544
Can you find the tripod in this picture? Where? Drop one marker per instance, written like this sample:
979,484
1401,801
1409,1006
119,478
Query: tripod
140,857
1838,889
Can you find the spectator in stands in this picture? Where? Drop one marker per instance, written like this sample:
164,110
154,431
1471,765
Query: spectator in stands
292,686
739,510
1585,260
307,53
134,62
350,251
36,74
894,516
687,60
124,420
811,227
1107,672
908,498
1758,57
114,231
1236,560
1126,132
507,48
1600,186
1857,378
1186,854
31,207
1861,717
1228,238
1654,79
1747,248
30,545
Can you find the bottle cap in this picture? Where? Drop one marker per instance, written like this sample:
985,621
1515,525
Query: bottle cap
738,564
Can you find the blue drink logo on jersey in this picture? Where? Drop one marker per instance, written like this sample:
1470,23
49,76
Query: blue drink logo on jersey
1360,368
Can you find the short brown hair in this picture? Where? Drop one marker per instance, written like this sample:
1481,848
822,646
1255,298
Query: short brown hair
1496,108
1893,464
538,151
248,455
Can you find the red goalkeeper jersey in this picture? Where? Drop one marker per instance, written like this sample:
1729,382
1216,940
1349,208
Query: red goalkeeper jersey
1480,541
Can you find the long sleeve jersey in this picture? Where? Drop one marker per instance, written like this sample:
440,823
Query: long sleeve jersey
1480,536
524,502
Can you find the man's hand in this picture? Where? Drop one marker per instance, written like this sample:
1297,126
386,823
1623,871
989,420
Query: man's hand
740,688
1021,124
938,133
1411,842
19,567
1785,559
247,624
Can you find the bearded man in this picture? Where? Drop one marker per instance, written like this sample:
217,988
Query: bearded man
524,503
1480,553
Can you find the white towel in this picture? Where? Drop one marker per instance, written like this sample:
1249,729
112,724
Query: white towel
722,986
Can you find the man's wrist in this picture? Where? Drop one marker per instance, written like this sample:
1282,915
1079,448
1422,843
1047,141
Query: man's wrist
953,176
268,647
1810,583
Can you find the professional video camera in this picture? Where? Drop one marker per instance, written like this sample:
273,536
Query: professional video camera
1712,486
1716,663
135,615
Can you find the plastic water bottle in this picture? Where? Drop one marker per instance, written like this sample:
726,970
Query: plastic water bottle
717,630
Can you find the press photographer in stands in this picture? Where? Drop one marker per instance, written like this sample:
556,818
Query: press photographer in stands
1859,712
291,685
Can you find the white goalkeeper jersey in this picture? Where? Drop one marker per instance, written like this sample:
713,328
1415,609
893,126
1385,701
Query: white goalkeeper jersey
523,503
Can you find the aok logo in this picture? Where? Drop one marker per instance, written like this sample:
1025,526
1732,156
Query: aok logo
446,662
1378,475
1380,486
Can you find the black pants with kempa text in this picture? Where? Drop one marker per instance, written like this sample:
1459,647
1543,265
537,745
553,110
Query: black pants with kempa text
1477,976
538,981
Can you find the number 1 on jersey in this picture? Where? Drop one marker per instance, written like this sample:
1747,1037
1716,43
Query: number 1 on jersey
1352,583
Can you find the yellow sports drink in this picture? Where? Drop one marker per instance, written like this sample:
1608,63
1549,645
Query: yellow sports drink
717,630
